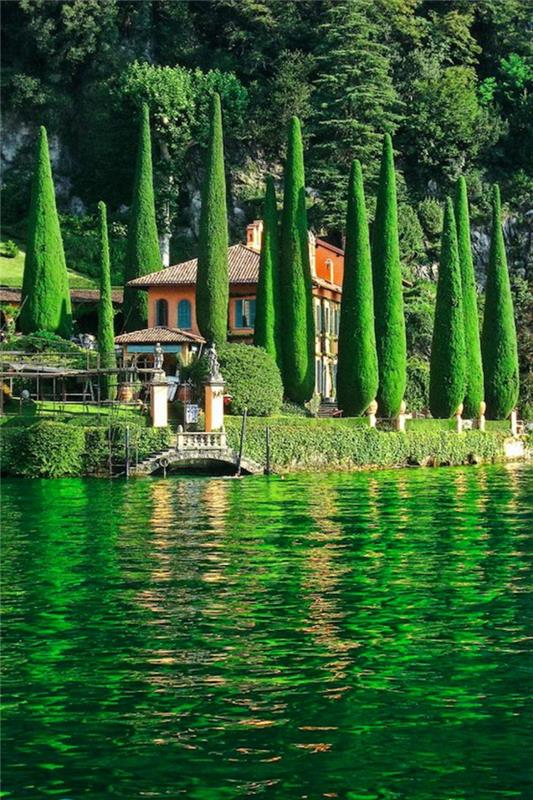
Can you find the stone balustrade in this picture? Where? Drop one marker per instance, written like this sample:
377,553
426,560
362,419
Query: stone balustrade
201,440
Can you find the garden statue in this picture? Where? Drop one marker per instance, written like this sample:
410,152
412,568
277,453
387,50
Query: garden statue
158,357
213,364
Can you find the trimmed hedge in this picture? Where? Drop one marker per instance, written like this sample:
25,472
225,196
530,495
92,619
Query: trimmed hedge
57,449
341,444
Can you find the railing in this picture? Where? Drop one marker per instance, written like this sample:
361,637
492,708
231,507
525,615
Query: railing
201,441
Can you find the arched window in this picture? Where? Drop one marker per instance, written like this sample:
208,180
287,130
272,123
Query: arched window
161,312
184,315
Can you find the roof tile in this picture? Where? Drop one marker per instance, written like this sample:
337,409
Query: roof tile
243,267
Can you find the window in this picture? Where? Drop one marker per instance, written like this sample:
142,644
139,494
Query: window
245,313
161,312
326,319
184,315
318,316
318,376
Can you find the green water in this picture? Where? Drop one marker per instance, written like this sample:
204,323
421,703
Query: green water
334,636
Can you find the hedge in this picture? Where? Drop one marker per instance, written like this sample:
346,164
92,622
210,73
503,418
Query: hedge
299,444
57,449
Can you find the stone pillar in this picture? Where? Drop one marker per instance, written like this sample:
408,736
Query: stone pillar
214,406
459,419
371,413
159,400
400,419
514,422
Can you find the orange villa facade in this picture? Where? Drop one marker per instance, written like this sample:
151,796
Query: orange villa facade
171,301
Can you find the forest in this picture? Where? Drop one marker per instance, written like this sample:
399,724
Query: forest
450,81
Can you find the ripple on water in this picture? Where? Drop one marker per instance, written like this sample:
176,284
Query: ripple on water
324,636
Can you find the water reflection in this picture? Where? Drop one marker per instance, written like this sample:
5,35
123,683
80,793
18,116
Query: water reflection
350,636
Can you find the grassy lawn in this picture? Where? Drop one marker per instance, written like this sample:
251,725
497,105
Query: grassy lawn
11,271
77,413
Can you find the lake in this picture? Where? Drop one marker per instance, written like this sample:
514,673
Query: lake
360,636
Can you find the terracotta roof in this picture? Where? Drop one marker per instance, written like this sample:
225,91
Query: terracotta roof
329,246
160,333
10,295
243,267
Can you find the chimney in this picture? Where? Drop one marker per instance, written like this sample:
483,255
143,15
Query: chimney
254,235
312,253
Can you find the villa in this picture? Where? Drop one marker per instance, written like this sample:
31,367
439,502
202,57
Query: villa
171,303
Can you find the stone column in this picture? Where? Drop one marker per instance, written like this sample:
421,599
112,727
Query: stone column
214,406
514,422
159,400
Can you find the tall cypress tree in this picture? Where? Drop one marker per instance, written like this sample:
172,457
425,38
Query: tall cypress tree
268,312
212,288
448,362
106,334
357,370
295,277
474,367
388,299
142,254
45,302
498,342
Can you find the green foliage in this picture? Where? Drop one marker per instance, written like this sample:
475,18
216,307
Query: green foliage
82,246
417,390
388,302
106,332
45,302
43,450
143,247
9,249
56,449
295,284
352,65
309,444
267,332
474,368
357,370
499,344
252,379
212,290
448,359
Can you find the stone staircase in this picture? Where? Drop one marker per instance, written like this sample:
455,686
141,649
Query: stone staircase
328,408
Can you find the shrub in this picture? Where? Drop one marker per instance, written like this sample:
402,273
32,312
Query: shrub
252,379
43,450
54,449
349,443
417,391
9,249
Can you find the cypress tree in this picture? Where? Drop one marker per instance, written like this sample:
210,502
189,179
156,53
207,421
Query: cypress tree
448,363
357,370
106,334
388,299
295,278
474,368
45,302
267,312
498,343
142,254
212,287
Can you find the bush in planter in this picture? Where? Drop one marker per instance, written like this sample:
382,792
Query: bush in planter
252,379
